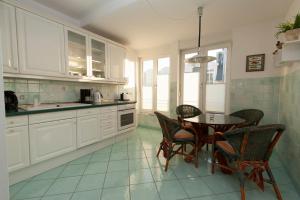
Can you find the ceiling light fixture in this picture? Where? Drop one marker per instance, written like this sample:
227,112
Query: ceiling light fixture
198,58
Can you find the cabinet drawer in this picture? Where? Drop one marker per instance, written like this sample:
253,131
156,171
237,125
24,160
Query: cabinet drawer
126,106
108,109
16,121
108,116
38,118
91,111
108,124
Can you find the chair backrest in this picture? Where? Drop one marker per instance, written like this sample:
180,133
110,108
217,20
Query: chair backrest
252,116
187,111
255,143
169,126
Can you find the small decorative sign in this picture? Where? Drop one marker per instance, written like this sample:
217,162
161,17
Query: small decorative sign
255,63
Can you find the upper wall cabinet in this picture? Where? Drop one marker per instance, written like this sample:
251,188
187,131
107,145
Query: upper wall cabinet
8,38
99,58
41,45
77,52
117,60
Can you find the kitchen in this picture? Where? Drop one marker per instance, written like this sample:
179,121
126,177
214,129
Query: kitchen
82,86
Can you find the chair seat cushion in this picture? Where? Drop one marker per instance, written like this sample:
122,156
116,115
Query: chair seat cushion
183,135
226,147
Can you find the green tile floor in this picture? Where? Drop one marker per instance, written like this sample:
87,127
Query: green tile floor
129,170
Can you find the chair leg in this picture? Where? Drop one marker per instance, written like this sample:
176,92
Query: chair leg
275,186
160,147
242,184
213,161
167,164
196,155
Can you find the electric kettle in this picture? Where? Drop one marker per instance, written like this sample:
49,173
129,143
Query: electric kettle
97,97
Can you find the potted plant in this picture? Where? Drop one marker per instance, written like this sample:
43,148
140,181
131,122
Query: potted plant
291,30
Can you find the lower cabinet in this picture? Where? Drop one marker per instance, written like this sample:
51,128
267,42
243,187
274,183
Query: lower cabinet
17,147
51,139
88,130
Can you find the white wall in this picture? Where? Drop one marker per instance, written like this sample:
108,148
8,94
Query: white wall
4,194
254,39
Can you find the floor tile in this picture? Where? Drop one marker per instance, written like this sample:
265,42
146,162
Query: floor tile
58,197
119,156
136,154
87,195
170,190
141,176
116,179
185,171
135,164
119,193
34,189
145,191
50,174
100,157
222,183
91,182
16,188
195,187
96,167
159,174
73,170
64,185
118,165
81,160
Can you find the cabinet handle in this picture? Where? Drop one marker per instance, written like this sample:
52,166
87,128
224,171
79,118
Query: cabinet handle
12,122
11,131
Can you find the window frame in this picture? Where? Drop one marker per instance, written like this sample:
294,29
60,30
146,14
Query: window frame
154,84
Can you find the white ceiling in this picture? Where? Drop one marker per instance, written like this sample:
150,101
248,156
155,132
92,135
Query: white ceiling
148,23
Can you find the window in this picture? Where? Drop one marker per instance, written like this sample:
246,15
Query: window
129,73
147,85
155,86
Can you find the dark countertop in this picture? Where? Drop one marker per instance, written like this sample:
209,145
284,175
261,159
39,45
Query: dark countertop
25,112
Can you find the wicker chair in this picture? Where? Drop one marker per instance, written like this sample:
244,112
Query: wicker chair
251,148
174,135
187,111
252,117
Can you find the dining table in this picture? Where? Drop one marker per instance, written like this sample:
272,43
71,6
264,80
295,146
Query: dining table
218,123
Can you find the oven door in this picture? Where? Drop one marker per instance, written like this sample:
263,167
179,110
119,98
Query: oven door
126,119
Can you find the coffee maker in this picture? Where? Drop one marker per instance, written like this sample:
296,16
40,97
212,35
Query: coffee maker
86,95
11,101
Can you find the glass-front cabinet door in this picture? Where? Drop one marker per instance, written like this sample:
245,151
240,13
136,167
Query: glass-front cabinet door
77,54
98,58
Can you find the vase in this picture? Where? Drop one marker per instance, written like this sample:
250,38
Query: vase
292,34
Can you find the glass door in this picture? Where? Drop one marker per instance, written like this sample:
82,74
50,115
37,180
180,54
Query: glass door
205,86
77,54
191,81
98,59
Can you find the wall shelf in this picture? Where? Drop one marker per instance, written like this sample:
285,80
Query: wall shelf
289,53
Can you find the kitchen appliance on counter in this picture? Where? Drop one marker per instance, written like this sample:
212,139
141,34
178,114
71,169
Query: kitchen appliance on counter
86,96
11,101
126,116
124,97
97,97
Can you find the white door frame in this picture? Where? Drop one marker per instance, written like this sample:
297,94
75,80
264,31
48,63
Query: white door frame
203,68
4,192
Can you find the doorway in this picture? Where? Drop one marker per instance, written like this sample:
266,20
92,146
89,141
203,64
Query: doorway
205,85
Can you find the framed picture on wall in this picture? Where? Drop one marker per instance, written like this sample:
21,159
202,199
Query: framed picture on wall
255,63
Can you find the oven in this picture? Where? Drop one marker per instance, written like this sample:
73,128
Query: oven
126,116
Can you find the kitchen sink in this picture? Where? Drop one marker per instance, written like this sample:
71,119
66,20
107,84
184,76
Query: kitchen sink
48,106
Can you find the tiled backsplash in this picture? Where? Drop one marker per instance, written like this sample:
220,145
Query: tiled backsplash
257,93
54,91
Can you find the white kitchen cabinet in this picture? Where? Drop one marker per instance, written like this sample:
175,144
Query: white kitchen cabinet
9,38
88,130
108,122
41,45
51,139
98,58
17,147
117,56
76,52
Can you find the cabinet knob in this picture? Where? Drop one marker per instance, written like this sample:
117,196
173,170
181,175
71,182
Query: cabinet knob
12,122
11,131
